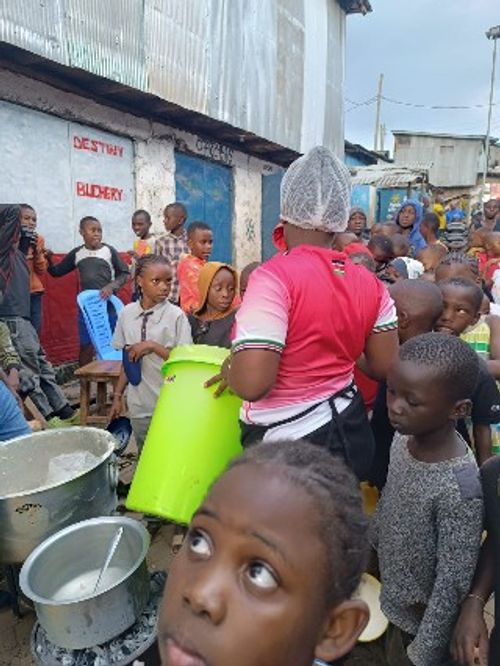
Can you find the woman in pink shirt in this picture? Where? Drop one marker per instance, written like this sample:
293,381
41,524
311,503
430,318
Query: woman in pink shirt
308,316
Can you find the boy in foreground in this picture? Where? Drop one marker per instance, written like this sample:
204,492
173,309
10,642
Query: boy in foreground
428,523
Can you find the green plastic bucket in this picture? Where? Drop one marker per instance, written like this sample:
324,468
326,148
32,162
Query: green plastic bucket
191,439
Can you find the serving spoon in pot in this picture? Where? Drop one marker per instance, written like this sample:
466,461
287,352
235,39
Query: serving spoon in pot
112,549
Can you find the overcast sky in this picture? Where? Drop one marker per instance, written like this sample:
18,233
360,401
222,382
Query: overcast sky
432,52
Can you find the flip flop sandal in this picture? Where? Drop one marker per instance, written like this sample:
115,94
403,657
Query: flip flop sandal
178,540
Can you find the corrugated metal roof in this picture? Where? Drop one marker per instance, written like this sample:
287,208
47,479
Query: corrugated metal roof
437,135
389,175
252,64
105,38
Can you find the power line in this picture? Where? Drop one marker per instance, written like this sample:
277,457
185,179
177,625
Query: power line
356,105
438,107
458,107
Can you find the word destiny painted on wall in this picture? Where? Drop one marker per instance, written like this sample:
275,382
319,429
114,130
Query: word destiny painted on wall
94,191
95,146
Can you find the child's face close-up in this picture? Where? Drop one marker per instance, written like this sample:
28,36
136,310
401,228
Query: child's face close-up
459,310
476,238
429,258
201,243
417,401
28,219
172,219
92,234
357,223
155,283
343,239
221,292
407,217
492,245
380,256
248,586
491,209
141,226
393,275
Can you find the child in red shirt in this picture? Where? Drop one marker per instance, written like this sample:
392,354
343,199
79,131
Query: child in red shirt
200,242
476,246
492,247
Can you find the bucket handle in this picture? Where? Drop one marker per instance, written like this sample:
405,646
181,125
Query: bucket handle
113,473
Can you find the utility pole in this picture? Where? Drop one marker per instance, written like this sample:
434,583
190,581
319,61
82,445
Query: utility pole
383,132
377,114
494,34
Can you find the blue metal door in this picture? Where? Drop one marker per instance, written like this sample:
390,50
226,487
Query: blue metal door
270,211
206,189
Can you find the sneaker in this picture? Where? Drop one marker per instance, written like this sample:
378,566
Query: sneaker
56,422
75,419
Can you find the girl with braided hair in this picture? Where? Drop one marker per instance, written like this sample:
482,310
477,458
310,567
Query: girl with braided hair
270,564
147,330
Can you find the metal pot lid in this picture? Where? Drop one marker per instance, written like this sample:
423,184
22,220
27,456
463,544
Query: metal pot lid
42,461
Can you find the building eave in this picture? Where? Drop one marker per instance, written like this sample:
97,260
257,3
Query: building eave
141,104
356,6
358,149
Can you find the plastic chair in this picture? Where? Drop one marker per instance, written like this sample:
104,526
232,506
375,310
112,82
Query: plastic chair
95,314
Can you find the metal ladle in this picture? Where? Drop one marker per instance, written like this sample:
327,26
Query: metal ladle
112,549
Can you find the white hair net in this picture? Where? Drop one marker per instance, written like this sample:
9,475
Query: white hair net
316,192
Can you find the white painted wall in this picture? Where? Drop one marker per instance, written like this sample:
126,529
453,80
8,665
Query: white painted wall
274,68
151,170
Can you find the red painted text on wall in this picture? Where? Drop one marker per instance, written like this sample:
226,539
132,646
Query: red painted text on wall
95,146
94,191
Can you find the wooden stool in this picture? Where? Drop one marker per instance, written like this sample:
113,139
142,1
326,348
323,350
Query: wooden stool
102,373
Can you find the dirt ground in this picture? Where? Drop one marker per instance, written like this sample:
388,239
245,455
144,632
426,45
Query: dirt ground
15,633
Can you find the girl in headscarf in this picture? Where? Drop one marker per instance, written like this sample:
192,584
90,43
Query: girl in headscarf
308,315
409,218
212,322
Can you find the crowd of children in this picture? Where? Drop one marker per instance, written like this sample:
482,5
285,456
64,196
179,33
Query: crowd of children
417,424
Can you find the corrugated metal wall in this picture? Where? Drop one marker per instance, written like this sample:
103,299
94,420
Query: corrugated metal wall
455,162
271,67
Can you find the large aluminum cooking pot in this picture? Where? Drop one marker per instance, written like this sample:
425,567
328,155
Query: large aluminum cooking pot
52,479
60,577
